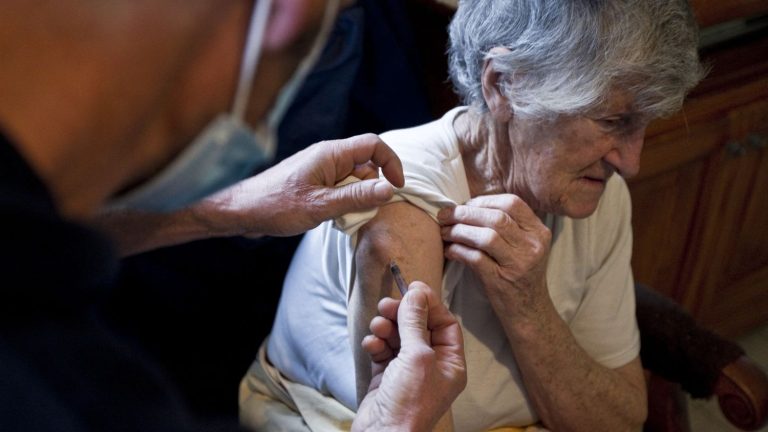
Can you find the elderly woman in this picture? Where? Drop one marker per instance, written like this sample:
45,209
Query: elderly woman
511,207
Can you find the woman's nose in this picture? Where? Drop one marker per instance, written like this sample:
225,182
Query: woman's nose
625,155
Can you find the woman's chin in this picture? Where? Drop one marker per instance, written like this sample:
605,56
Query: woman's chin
580,210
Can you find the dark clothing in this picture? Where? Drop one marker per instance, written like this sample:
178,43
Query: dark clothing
77,353
207,305
61,367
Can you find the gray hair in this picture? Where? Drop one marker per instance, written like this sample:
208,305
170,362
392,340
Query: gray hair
564,56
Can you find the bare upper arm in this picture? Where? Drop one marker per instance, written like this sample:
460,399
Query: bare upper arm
406,234
400,232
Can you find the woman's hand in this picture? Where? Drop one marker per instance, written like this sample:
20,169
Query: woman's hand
503,241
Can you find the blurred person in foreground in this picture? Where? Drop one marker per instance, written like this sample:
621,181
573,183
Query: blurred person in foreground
151,106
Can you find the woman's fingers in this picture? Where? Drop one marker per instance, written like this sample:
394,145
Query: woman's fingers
475,216
494,235
477,260
510,204
490,230
497,211
491,241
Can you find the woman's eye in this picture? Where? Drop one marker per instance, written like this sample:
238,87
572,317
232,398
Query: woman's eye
614,122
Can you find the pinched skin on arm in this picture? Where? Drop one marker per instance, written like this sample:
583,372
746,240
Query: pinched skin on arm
400,232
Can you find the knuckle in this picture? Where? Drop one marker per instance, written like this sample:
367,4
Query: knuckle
353,195
322,149
362,139
508,202
515,200
498,219
369,137
453,251
546,235
491,237
459,211
516,204
315,205
537,251
474,258
358,193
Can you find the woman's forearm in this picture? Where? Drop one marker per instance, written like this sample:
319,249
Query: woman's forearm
507,246
569,390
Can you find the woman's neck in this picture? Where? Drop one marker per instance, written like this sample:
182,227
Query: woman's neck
486,151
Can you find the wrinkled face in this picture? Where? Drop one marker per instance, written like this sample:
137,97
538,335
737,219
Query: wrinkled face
562,166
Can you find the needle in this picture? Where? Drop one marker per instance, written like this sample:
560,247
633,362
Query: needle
401,285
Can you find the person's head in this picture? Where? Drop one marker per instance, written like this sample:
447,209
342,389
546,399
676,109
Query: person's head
598,69
101,95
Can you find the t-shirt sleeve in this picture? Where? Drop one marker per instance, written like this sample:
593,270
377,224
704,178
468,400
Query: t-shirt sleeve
605,324
434,174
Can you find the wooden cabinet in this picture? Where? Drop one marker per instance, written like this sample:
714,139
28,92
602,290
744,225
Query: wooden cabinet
732,274
700,202
709,12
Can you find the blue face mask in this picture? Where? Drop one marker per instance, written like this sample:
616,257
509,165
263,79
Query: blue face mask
227,150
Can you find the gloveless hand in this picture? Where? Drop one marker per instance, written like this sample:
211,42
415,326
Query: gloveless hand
418,366
507,246
299,193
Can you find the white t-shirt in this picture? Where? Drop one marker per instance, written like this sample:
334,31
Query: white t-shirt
588,276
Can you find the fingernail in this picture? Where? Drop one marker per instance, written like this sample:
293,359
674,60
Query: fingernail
442,215
414,297
383,190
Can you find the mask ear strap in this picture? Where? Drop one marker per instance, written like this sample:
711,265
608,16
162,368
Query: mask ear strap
251,55
285,97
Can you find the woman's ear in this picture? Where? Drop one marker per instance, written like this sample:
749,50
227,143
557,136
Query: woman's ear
495,99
